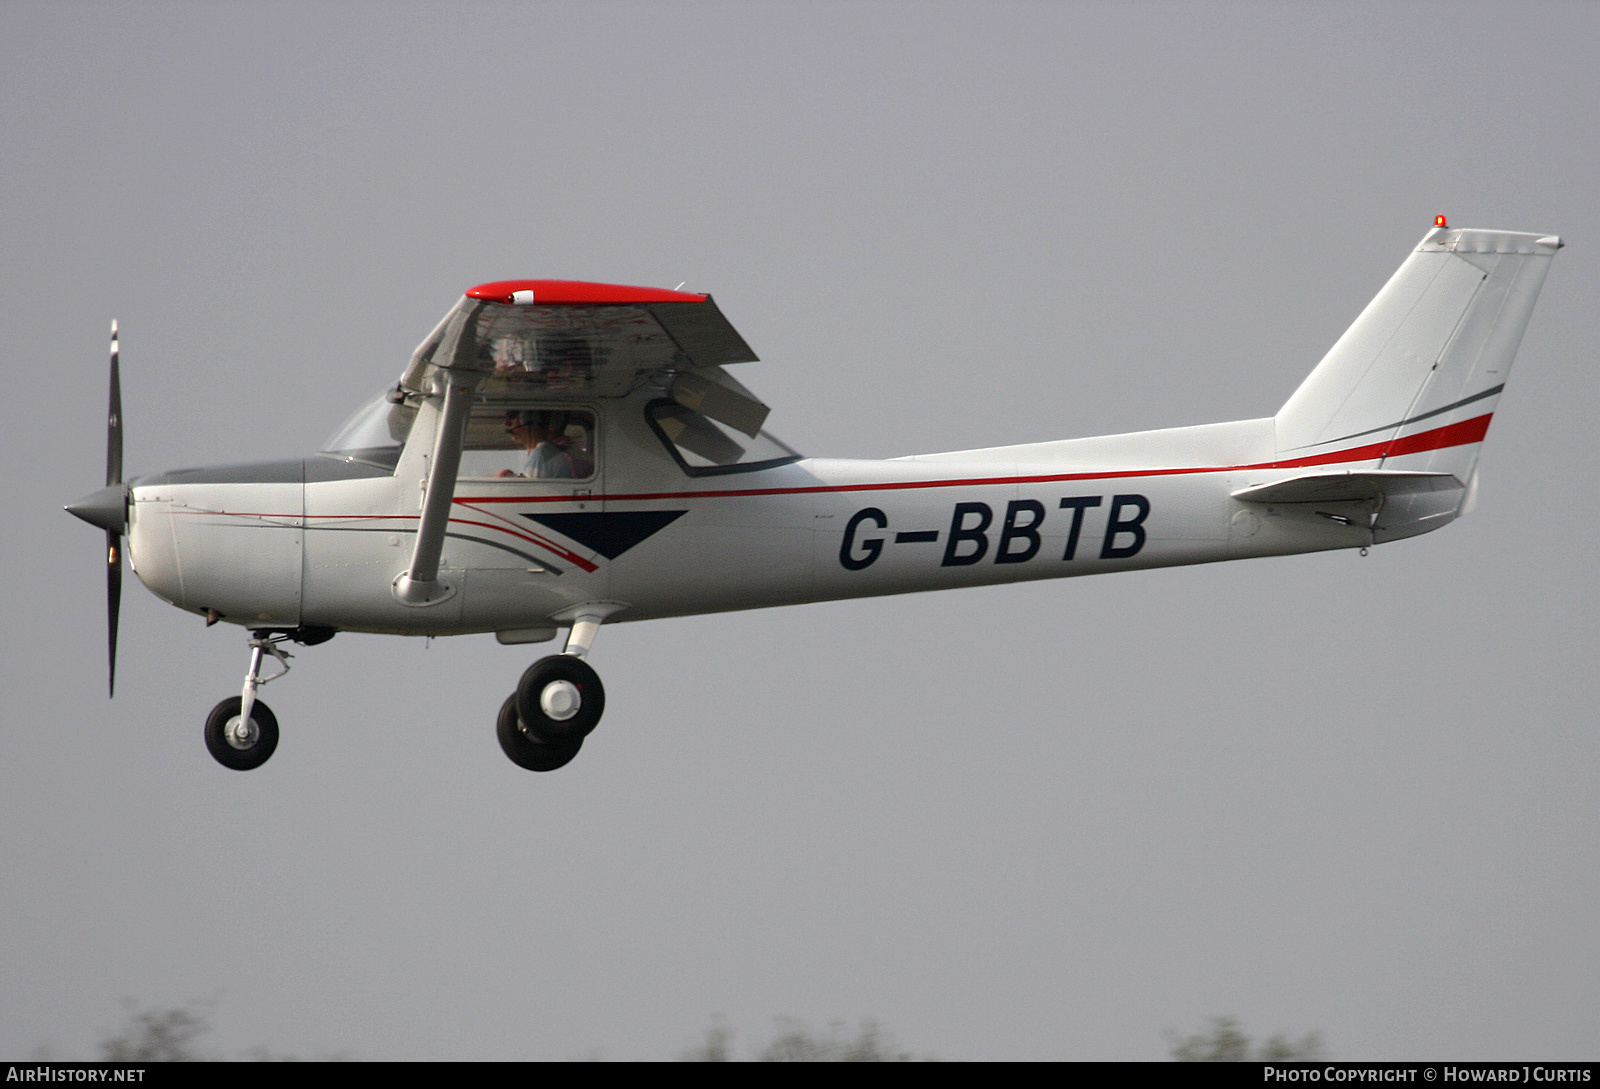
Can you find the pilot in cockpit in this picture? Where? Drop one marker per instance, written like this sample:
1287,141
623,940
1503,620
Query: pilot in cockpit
537,431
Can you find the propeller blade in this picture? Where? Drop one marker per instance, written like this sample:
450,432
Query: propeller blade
118,525
114,417
108,509
113,606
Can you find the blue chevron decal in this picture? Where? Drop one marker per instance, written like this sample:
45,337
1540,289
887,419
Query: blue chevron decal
610,533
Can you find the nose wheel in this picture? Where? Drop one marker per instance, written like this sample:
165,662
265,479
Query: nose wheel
237,742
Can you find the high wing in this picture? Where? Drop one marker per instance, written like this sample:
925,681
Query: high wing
564,339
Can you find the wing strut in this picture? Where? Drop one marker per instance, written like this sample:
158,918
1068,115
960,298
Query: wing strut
419,584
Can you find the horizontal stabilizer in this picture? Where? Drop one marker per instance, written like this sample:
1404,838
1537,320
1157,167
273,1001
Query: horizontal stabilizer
1394,504
1346,487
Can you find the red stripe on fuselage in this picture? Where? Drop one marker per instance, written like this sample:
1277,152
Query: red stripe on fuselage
1439,438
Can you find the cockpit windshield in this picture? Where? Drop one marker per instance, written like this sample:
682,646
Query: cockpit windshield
374,434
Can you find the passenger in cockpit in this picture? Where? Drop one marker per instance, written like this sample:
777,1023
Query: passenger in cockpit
535,430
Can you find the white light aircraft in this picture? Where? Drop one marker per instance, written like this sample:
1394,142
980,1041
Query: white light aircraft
559,455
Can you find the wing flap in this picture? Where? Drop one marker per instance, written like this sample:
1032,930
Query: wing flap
703,333
715,393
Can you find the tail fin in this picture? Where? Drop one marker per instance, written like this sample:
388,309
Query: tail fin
1412,385
1419,373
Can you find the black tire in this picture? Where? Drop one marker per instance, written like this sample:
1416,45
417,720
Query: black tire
524,751
225,751
547,671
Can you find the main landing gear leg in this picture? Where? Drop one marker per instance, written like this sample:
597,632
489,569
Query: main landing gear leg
558,701
242,731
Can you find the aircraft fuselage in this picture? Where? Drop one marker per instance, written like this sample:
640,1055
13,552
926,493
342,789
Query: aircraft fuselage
319,543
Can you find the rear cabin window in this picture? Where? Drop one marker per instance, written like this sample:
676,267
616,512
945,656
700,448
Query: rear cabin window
703,447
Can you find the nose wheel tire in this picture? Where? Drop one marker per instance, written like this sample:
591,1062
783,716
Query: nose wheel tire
239,745
560,699
527,751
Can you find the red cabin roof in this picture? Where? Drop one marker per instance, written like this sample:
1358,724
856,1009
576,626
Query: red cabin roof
577,293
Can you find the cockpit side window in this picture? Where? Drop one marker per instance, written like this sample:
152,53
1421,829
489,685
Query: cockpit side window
529,442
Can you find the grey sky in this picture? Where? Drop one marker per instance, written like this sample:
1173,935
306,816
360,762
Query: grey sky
1039,821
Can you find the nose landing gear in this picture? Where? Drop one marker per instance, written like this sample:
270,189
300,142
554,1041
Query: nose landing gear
241,731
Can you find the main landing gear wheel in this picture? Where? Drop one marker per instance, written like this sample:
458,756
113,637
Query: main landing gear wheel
239,745
526,751
559,699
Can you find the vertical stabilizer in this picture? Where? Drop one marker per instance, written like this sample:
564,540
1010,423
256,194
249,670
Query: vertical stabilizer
1413,383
